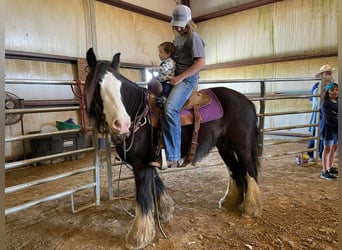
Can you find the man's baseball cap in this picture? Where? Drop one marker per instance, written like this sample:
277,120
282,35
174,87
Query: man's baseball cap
181,15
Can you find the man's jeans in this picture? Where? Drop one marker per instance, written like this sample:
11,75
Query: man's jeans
171,124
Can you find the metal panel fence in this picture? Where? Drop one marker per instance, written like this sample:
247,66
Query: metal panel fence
260,98
93,169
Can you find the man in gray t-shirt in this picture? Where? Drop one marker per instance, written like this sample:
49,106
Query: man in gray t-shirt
190,59
187,48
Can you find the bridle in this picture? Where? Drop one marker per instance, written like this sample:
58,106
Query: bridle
140,119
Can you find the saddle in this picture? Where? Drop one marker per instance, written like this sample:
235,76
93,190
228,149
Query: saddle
197,100
190,114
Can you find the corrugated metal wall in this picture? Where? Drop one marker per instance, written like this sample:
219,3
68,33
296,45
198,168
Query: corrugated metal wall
52,27
58,27
293,27
135,36
284,28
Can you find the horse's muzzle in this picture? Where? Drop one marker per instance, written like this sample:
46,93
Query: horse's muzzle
120,126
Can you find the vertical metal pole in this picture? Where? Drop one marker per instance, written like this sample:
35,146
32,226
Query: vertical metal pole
109,168
261,118
318,141
89,14
97,167
2,124
22,133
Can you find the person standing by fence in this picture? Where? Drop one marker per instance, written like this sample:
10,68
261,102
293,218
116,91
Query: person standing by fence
325,73
328,127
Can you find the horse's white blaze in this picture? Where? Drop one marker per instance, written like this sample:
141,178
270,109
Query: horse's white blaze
116,116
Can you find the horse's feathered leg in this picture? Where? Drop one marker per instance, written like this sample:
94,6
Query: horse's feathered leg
165,202
166,207
143,231
235,196
235,192
244,192
252,204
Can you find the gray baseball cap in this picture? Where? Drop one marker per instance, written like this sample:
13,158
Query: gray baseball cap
181,15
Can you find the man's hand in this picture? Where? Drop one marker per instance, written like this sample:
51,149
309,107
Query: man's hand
176,79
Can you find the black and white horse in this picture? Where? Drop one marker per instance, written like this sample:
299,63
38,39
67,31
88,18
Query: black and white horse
118,106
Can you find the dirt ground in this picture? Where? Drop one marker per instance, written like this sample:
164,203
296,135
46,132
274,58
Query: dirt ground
299,210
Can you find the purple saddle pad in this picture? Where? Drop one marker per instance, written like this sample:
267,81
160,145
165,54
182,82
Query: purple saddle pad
209,112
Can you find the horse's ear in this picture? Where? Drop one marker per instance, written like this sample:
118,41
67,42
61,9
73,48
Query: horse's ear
91,58
116,61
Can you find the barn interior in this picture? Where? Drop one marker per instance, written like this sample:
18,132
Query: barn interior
269,50
245,40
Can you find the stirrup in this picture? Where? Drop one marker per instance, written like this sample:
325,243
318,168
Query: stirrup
169,164
163,164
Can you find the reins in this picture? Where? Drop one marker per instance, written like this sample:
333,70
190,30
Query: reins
139,121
